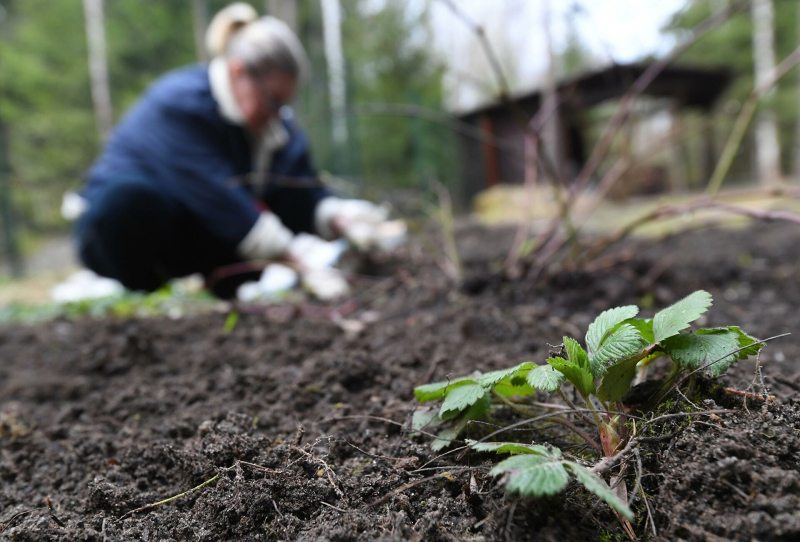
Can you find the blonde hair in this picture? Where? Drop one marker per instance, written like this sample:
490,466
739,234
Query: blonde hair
263,44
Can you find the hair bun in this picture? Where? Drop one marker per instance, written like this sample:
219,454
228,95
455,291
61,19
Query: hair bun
225,24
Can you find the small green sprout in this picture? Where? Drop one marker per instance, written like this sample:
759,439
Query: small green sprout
230,323
619,346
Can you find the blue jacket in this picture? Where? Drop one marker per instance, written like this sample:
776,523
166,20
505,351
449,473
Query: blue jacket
175,137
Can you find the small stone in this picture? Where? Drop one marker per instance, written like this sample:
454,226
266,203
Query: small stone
205,427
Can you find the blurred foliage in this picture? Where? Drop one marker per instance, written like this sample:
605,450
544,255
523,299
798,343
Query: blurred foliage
45,97
731,46
388,61
172,300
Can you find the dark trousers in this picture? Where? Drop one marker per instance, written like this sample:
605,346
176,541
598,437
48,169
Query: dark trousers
140,235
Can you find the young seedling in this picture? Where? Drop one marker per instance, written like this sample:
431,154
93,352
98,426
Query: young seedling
618,346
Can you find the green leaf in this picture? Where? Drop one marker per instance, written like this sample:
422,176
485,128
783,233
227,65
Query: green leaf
230,323
623,343
509,388
445,438
545,378
490,379
644,327
460,422
436,390
576,354
508,447
605,322
746,340
460,398
424,418
677,317
597,485
581,378
535,475
617,381
538,471
715,346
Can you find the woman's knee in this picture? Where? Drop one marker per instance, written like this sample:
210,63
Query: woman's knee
124,232
131,202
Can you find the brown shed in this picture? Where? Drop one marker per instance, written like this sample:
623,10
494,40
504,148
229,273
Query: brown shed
497,156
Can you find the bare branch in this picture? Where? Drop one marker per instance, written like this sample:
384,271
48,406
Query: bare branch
624,107
744,118
479,31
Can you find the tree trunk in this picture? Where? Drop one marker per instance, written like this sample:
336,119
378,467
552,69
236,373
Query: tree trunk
11,252
98,67
797,122
332,35
285,10
551,131
766,130
200,24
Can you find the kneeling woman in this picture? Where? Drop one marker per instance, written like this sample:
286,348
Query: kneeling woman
208,169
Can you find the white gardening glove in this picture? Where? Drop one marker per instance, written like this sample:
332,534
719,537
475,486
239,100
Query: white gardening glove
311,252
325,284
73,206
361,222
267,239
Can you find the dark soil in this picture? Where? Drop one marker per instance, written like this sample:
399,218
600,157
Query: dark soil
102,417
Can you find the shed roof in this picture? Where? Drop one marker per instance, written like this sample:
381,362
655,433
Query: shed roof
692,86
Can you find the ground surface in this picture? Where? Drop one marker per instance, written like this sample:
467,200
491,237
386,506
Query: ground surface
104,417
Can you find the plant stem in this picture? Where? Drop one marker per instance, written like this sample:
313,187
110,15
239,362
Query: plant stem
589,404
644,364
175,497
519,409
573,407
524,412
666,387
589,440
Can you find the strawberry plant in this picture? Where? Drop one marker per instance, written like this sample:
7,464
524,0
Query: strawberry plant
619,349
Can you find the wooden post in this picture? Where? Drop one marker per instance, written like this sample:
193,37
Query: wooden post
709,152
678,171
489,151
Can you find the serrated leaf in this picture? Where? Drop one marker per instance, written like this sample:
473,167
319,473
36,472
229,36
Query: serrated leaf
605,322
622,344
677,317
423,418
581,378
545,378
508,447
746,340
490,379
520,378
534,475
508,388
708,346
436,390
576,354
644,327
445,438
617,380
460,398
597,485
460,422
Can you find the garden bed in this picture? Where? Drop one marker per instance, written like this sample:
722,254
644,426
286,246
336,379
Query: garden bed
103,417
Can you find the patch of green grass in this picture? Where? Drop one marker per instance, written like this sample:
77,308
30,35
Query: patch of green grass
168,301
